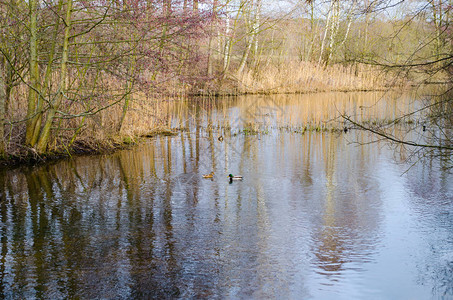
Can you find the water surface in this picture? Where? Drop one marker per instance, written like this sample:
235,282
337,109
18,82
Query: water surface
319,214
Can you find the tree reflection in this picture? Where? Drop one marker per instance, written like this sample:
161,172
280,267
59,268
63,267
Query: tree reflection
350,211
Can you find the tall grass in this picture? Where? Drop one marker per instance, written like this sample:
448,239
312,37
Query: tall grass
302,77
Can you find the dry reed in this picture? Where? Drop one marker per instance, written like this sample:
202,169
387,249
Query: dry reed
305,77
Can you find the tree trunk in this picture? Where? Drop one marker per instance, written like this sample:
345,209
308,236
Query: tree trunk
166,10
257,24
9,84
34,71
348,27
230,29
253,14
45,133
313,30
127,99
321,52
438,24
245,56
227,47
335,24
3,95
37,119
209,63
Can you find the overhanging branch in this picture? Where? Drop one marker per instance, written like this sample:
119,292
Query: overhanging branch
393,139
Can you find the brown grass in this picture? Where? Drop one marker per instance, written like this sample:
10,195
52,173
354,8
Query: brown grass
305,77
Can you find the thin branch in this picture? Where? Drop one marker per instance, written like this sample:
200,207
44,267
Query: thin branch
390,138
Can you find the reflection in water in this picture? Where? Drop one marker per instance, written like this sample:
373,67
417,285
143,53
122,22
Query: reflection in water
314,217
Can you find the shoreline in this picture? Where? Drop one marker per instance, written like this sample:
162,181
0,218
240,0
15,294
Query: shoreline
110,146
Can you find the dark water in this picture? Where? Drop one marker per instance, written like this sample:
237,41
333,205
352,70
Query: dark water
317,216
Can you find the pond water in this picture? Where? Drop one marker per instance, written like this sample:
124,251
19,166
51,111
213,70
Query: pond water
318,215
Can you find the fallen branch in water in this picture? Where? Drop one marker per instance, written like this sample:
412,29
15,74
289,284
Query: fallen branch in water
393,139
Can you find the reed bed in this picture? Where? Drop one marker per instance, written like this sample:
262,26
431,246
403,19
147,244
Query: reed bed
305,77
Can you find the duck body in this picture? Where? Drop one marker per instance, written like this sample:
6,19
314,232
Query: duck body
210,175
232,177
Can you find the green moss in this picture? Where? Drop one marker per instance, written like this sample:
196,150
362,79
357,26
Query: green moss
128,140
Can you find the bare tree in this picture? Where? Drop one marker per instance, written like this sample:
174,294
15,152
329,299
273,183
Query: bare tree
84,58
428,130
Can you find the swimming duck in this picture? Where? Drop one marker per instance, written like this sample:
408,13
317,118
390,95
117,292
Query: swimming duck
210,175
220,138
234,177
